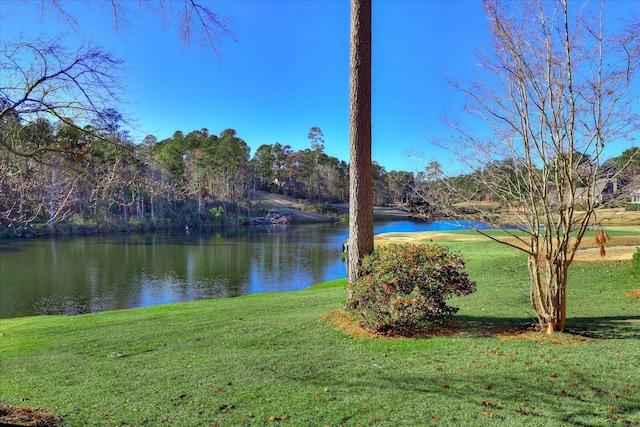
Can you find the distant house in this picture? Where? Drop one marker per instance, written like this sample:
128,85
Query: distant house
635,196
604,189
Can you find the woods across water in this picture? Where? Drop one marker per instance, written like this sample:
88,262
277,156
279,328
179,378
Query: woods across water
58,177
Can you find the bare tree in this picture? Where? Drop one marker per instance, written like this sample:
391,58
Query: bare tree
195,19
556,90
43,80
360,168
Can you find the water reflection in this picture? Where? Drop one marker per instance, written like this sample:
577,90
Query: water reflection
83,274
94,273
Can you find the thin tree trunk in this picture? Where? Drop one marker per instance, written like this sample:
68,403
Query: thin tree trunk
125,213
360,175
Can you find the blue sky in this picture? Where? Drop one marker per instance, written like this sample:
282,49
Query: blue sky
287,70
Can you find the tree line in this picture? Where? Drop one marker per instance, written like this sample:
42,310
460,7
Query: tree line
96,178
60,177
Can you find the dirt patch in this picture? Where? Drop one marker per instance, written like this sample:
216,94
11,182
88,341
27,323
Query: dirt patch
295,208
21,416
421,236
614,253
347,323
635,293
589,251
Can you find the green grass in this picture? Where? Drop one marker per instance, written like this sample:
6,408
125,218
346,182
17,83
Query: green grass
267,360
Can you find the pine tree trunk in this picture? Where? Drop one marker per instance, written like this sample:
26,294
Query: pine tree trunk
360,168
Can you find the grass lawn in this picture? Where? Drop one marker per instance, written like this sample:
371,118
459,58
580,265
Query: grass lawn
270,359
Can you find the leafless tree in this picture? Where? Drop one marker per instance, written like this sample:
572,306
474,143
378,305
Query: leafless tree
43,80
556,89
196,21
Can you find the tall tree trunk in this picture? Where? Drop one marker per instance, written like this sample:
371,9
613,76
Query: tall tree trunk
360,170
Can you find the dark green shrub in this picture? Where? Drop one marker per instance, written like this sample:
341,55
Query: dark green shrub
402,289
635,264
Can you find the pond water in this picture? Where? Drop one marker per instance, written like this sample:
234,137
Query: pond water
71,275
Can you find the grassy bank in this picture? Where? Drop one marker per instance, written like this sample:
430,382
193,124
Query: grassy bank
271,359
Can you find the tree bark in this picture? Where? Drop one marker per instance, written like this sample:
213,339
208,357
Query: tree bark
360,169
549,292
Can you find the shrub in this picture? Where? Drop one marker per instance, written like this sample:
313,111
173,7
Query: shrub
635,264
401,289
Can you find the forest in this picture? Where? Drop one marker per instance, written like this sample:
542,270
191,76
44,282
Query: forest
59,178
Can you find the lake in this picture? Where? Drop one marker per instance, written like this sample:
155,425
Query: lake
72,275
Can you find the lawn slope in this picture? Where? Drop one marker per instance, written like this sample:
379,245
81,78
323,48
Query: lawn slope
266,360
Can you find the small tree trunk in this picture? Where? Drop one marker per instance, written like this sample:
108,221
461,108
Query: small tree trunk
549,293
125,213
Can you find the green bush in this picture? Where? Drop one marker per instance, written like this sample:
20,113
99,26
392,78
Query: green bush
635,264
402,289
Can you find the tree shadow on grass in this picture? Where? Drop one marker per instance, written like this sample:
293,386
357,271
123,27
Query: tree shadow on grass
581,328
545,398
614,327
485,327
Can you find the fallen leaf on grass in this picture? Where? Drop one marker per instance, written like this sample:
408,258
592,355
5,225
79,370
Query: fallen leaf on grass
489,414
523,411
626,421
635,293
15,415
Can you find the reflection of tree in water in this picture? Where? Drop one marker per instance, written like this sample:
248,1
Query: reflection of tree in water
86,274
301,253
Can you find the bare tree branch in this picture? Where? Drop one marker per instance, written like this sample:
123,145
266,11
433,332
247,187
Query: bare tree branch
556,90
